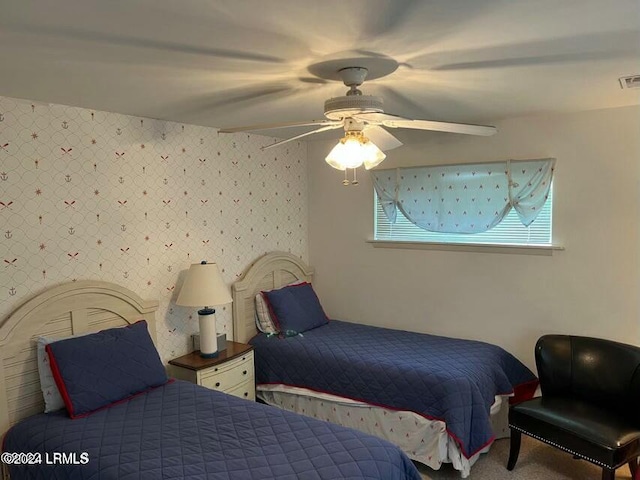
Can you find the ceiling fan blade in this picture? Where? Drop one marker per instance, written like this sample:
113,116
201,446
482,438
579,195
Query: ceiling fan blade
396,121
468,129
323,129
383,139
269,126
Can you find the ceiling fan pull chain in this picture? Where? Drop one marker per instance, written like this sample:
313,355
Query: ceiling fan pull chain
345,182
355,180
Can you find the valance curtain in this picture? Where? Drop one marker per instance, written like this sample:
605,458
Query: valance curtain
465,198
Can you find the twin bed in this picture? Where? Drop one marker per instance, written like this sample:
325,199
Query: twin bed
442,400
179,430
174,431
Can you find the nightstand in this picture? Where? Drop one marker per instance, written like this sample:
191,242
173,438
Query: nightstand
230,372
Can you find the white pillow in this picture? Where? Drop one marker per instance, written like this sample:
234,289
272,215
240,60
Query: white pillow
264,322
52,398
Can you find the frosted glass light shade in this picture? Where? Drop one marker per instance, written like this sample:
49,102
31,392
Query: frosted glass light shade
204,287
373,155
354,150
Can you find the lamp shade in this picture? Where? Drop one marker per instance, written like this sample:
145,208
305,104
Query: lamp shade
204,286
353,150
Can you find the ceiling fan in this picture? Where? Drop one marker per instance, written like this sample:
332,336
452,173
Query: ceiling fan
361,116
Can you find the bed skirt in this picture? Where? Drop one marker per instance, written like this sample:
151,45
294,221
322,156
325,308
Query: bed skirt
425,441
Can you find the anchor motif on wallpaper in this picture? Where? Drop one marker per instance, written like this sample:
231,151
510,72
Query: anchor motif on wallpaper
8,234
67,178
71,231
12,291
118,131
4,177
65,125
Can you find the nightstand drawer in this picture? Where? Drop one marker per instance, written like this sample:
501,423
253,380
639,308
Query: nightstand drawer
241,363
227,378
246,390
232,371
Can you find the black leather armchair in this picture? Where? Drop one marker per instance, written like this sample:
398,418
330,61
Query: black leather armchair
590,403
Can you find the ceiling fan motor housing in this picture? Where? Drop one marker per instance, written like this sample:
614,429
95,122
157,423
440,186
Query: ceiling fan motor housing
338,108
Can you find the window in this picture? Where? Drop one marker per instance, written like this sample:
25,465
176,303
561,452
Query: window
510,231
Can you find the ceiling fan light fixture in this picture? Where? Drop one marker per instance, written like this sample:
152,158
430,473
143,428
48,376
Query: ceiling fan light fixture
353,150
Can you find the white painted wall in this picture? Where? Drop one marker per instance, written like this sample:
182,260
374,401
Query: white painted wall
591,288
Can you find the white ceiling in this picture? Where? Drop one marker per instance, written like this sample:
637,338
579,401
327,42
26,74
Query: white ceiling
224,63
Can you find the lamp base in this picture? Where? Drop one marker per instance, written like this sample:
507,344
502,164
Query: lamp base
209,355
208,337
221,341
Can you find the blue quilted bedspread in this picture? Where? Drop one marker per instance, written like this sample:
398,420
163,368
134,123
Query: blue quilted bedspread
182,431
441,378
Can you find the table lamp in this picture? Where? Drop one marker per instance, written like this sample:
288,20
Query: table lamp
204,286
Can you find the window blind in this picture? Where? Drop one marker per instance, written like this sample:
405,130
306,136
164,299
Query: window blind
510,231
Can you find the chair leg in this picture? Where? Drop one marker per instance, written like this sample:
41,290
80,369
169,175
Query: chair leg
635,471
516,438
608,474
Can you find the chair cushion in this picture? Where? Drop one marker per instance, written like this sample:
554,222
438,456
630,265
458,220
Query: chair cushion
603,436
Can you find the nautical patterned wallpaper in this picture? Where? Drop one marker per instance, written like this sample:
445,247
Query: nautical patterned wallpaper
92,195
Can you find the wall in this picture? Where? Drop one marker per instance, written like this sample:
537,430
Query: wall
93,195
590,288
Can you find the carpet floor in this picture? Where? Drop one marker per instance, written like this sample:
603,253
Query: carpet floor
537,461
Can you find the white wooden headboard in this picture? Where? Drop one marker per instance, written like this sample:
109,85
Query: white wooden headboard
67,309
272,270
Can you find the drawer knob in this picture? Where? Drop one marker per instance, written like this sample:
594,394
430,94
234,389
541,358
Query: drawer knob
244,372
217,384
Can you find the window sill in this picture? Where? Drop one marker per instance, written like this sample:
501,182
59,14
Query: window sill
545,250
